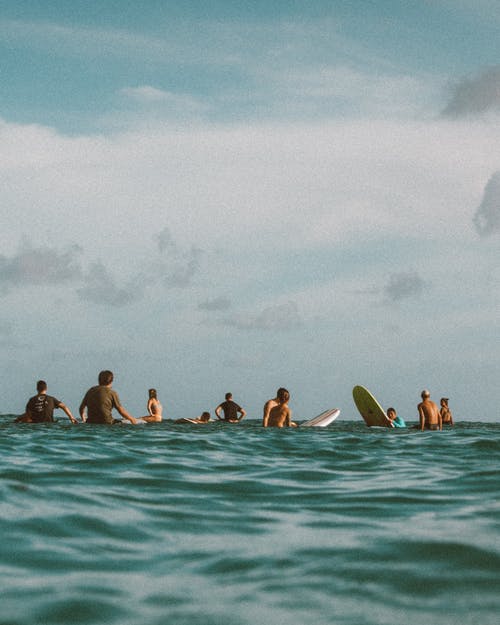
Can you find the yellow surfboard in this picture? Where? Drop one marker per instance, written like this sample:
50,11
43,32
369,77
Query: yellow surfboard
369,408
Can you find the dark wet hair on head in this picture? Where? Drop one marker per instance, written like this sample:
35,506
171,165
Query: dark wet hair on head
391,410
282,394
229,395
205,416
105,378
41,385
152,393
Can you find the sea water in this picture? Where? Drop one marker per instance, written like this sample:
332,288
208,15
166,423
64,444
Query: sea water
233,525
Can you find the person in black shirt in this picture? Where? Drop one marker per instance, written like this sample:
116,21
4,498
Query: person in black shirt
40,408
230,409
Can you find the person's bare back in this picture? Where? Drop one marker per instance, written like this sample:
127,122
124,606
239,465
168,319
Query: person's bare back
279,416
428,413
276,411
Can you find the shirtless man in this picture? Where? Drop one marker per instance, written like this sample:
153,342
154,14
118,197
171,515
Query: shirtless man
270,403
428,412
276,411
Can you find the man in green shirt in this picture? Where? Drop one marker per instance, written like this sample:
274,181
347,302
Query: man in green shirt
100,400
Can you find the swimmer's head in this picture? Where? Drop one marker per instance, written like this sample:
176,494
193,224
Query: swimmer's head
205,416
283,395
105,378
152,393
425,394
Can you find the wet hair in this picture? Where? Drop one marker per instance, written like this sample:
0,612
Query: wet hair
391,410
41,385
205,416
152,393
445,400
105,378
229,395
283,395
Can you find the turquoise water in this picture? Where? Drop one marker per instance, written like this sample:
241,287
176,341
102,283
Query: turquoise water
233,525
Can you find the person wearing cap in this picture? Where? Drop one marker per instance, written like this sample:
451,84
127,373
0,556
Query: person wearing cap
446,416
428,412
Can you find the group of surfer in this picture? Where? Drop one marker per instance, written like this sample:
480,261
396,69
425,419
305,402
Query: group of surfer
99,402
430,416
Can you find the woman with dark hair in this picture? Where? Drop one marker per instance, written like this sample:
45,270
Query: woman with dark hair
446,416
154,408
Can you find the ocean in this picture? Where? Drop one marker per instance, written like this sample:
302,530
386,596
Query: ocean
224,524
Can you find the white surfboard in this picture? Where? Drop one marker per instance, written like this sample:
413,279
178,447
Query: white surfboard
323,419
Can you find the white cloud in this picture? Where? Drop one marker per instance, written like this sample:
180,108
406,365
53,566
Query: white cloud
163,102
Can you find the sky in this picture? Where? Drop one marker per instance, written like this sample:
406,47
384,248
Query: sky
237,196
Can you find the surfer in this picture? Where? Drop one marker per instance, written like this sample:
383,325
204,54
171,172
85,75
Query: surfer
276,411
100,400
203,418
428,412
394,420
230,409
154,408
446,416
40,407
270,403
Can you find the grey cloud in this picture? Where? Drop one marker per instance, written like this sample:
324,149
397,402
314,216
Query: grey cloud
177,266
184,269
281,317
100,288
403,286
487,217
475,95
42,265
218,303
165,241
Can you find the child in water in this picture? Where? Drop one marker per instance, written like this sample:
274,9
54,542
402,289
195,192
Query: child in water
154,408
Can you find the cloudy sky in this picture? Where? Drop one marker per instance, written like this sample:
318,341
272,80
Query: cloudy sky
240,195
